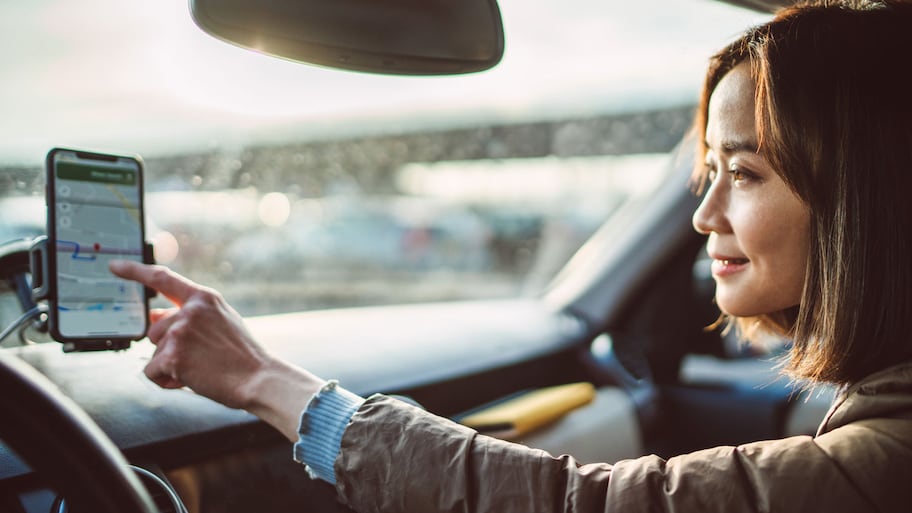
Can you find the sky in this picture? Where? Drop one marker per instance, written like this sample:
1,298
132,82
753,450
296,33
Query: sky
138,76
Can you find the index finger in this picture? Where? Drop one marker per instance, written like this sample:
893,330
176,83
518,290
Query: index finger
173,286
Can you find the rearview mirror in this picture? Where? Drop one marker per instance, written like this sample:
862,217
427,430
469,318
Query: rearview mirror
402,37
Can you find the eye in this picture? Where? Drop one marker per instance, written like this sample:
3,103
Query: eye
740,175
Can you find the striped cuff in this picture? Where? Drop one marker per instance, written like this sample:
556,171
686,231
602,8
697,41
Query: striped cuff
323,423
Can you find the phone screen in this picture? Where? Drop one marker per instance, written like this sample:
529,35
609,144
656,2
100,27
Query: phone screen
95,215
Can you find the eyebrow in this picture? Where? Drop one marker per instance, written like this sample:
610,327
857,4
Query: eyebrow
736,145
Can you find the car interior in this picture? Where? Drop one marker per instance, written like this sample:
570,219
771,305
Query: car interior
623,304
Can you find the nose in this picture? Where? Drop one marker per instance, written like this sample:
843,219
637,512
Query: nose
710,216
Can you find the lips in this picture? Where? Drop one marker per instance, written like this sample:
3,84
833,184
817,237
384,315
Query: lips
726,266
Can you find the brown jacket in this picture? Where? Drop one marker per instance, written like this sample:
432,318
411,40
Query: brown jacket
396,458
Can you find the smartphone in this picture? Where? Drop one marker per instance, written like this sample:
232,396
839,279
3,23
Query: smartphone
95,215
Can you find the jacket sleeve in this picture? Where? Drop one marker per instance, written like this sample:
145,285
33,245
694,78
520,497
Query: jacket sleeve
396,458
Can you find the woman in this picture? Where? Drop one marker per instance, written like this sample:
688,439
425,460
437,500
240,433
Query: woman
806,161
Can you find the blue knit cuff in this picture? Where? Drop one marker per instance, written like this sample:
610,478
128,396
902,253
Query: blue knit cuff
323,423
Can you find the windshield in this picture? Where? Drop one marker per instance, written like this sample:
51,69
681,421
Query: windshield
291,187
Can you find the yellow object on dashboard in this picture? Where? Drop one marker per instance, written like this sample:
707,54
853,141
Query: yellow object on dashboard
527,411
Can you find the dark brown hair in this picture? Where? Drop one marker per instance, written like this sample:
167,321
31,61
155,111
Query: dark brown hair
834,119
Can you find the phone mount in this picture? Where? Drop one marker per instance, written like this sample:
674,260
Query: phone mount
41,290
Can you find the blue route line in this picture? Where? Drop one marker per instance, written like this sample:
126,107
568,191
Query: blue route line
76,248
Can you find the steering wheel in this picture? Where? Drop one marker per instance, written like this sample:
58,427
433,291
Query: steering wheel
53,435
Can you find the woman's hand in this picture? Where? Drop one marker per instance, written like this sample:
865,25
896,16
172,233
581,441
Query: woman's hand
204,345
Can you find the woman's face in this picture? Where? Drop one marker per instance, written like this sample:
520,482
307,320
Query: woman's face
757,227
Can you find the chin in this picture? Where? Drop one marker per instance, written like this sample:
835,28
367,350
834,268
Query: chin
733,307
737,307
727,306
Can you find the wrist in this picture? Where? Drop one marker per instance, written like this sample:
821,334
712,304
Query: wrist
277,394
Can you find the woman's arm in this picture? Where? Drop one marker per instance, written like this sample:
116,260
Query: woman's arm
203,344
396,458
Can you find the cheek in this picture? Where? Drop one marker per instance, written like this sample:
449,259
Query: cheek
758,231
775,238
773,230
795,247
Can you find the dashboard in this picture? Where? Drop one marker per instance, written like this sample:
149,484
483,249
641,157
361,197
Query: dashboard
231,460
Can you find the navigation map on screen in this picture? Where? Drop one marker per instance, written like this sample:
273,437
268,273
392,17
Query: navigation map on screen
97,219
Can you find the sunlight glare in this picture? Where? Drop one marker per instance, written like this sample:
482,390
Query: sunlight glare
274,209
166,247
